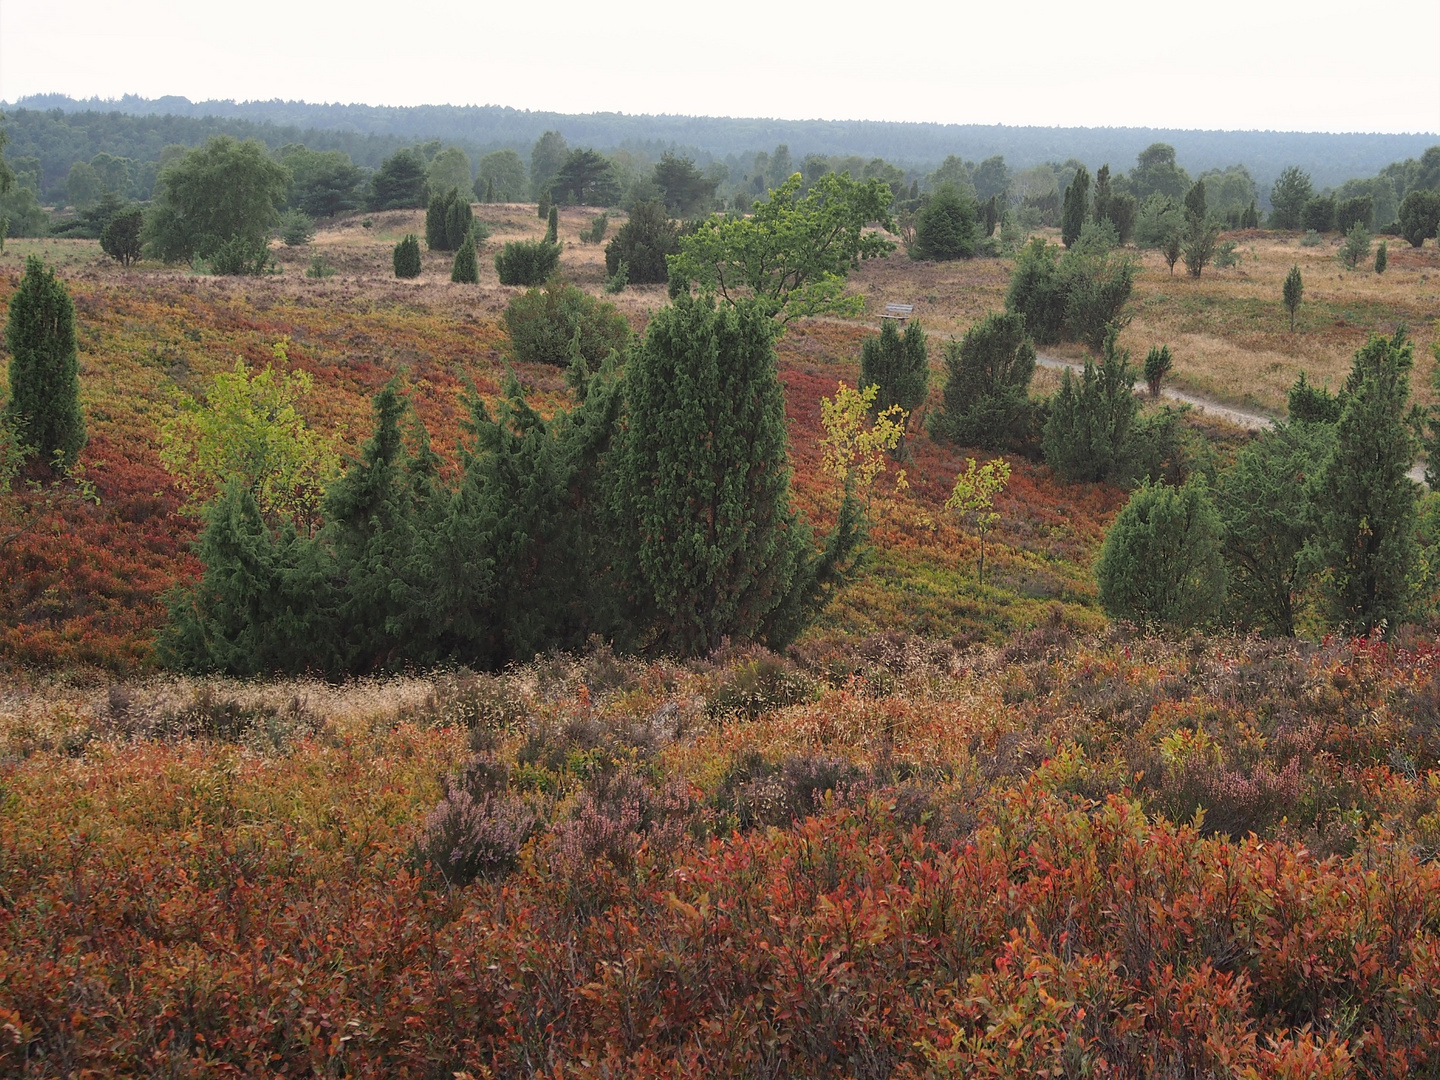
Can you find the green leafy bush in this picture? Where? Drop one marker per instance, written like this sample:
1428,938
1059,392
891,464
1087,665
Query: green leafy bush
527,262
120,239
241,256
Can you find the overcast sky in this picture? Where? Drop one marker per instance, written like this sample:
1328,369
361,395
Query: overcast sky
1319,65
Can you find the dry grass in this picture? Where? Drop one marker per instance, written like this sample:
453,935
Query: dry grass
1228,331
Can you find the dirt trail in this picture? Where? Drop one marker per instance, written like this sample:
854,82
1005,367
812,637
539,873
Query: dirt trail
1247,418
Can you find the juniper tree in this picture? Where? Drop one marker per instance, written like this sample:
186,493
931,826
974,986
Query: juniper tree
1158,363
1077,204
702,485
987,385
1367,501
898,366
1161,565
1382,257
1292,293
465,270
44,407
1171,249
552,226
120,239
407,257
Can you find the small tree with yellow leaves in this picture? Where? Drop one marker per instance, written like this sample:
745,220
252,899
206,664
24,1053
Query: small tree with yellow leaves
249,428
855,447
974,498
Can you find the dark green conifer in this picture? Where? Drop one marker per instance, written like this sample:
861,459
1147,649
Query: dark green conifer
987,385
552,226
44,407
702,488
407,257
1076,207
1367,500
1292,293
466,268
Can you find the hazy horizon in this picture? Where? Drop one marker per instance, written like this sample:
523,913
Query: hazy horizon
23,101
1240,66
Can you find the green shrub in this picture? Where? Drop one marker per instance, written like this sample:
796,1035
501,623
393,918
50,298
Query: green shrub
448,221
407,257
946,227
1357,211
616,282
1225,256
547,325
465,270
44,406
527,262
596,232
642,244
1077,201
1382,257
241,256
1311,239
1161,564
120,239
1158,363
898,366
542,208
987,385
1199,245
1074,297
1356,247
1319,214
296,228
319,268
1088,429
1420,216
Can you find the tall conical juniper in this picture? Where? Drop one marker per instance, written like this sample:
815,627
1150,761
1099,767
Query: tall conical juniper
44,406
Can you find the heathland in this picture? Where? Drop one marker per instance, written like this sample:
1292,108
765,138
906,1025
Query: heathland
957,828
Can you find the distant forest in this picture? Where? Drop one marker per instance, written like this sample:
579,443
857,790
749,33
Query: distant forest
369,133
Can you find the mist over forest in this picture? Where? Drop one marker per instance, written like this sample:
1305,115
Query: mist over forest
369,133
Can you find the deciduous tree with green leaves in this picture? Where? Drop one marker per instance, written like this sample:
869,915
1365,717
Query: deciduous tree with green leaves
973,498
249,428
791,256
216,195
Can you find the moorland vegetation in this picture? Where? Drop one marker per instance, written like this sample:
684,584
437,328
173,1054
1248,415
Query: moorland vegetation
802,699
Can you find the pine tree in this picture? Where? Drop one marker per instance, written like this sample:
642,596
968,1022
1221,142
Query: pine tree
702,488
552,226
466,268
44,406
898,366
987,385
1076,207
1366,498
1293,292
407,257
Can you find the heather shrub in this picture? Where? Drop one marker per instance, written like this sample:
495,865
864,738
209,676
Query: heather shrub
478,827
758,684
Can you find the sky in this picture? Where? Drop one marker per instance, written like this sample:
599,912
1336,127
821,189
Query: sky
1227,64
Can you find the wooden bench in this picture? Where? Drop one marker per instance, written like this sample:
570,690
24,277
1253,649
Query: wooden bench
898,311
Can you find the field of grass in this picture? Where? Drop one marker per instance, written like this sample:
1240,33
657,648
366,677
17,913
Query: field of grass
955,831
